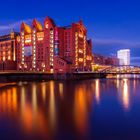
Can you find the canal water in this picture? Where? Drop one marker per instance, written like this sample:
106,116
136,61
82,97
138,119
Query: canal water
100,109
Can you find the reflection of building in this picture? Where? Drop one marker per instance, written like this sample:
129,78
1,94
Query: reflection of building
103,60
124,57
8,46
54,49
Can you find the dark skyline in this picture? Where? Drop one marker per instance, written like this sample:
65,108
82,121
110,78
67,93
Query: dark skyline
112,25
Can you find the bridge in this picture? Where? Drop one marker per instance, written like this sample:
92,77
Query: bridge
123,69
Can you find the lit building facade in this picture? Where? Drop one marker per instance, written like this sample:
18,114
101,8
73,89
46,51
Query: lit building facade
51,48
124,57
104,60
76,48
31,51
8,51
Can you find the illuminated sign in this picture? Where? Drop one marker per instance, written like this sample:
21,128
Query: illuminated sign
28,38
28,50
40,36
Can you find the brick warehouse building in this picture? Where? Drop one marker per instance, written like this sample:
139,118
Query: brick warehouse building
8,48
54,49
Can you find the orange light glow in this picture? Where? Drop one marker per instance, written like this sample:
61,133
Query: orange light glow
97,90
43,88
27,28
61,90
80,107
18,38
8,100
34,97
89,57
125,95
80,51
40,36
52,109
28,38
81,60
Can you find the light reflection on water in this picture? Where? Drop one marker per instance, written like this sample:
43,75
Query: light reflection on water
125,94
97,90
123,90
69,110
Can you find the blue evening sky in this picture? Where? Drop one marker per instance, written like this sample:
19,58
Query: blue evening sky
112,24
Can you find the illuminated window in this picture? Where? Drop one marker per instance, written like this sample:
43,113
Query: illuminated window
9,57
4,58
51,32
51,36
34,31
80,51
46,25
80,59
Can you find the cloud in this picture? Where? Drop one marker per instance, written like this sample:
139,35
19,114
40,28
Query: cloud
135,58
10,26
5,29
119,43
110,47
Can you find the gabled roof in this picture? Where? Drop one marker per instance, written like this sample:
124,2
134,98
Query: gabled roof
26,28
38,25
51,20
80,25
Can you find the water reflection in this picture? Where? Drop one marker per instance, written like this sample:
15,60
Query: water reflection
80,109
22,99
125,94
61,90
97,90
34,98
51,109
8,100
43,90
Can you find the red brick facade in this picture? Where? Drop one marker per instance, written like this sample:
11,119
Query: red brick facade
54,49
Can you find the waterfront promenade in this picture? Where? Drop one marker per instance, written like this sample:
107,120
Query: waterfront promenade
14,76
40,76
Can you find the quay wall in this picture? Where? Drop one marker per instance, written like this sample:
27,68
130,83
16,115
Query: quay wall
15,77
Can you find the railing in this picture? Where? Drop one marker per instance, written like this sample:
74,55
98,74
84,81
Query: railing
121,69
